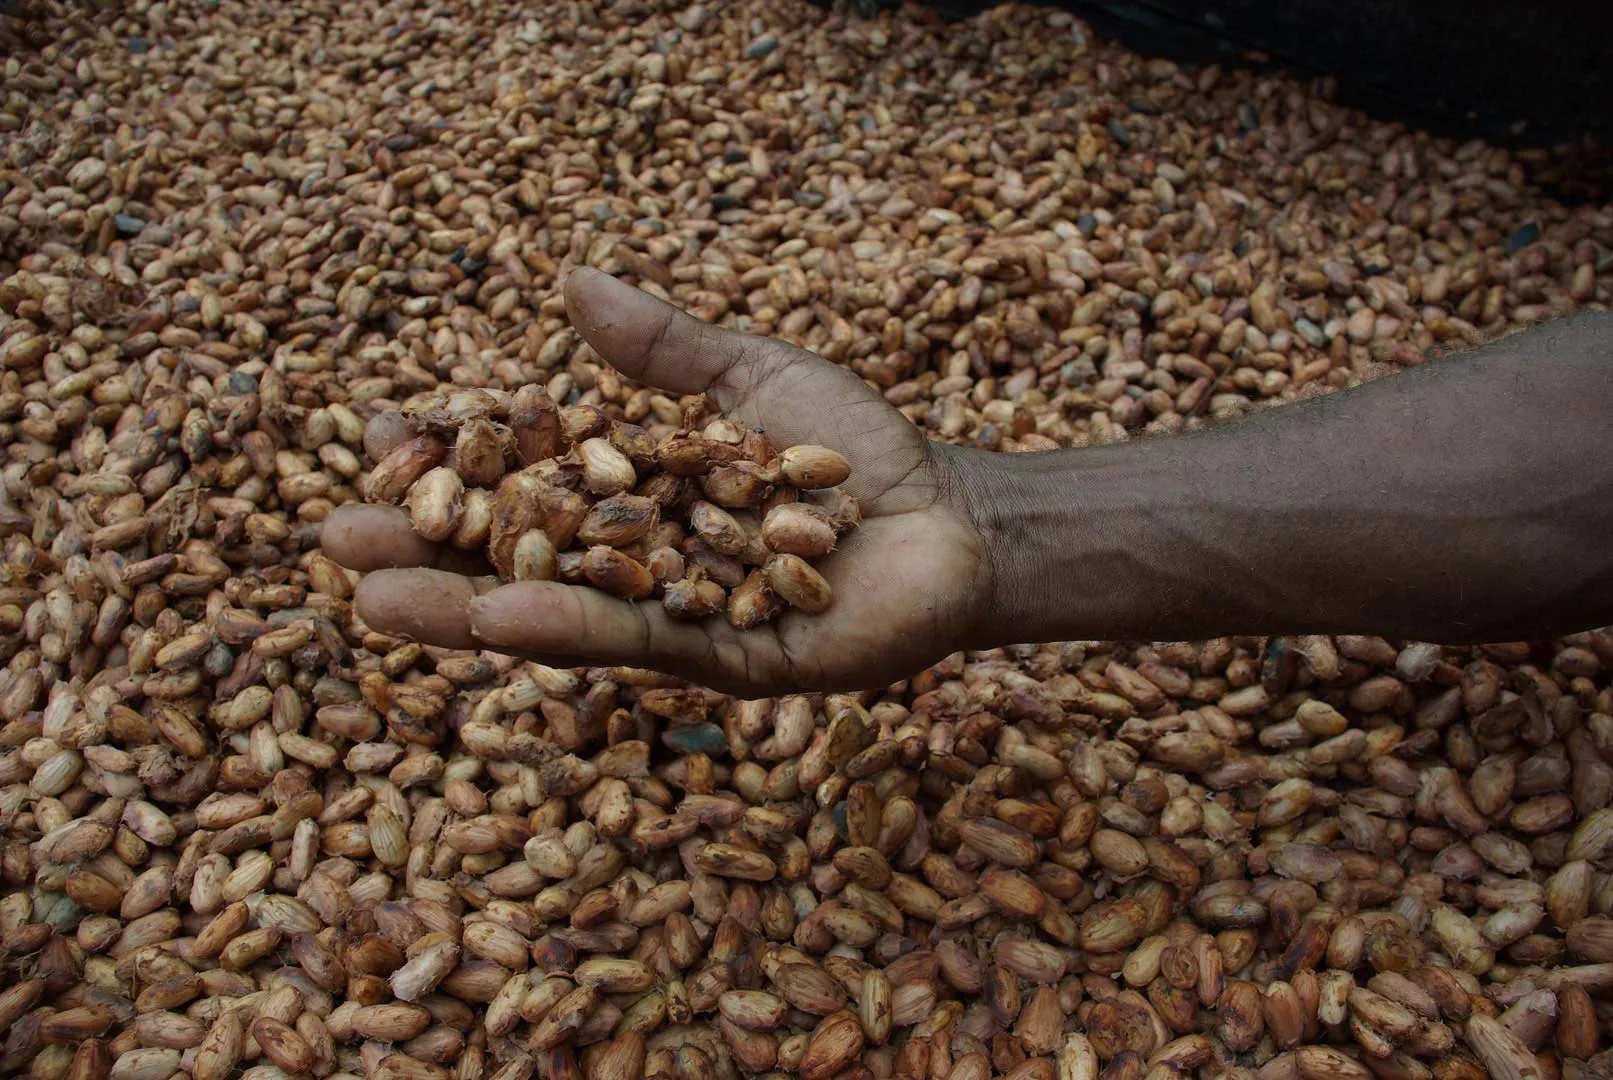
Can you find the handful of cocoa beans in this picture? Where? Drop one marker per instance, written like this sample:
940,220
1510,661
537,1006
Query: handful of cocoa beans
707,517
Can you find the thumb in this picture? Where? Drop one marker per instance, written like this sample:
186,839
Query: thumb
649,340
790,393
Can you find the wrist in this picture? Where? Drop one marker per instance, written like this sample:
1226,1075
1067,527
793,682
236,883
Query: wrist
1058,532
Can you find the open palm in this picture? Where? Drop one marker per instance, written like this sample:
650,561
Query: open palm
910,583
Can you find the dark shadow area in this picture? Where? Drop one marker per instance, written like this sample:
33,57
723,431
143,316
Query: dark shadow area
1535,76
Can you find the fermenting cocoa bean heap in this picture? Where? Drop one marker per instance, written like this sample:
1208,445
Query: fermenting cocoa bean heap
243,834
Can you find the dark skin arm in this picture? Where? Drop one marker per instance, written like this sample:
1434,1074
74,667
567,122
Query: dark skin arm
1469,500
1466,501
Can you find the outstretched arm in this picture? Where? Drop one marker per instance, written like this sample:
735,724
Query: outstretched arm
1467,500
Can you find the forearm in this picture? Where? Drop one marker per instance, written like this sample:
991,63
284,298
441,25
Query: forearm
1468,500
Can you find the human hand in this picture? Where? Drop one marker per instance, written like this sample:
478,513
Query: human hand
912,583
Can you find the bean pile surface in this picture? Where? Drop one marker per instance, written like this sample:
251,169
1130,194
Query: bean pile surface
242,834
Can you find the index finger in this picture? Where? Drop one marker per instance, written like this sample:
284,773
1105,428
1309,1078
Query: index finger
385,432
